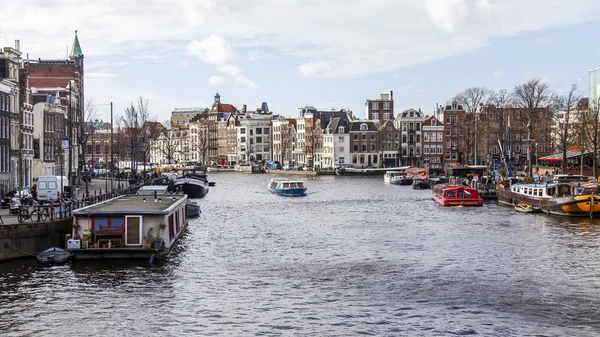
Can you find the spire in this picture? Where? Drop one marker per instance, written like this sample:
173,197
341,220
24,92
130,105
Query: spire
76,49
217,98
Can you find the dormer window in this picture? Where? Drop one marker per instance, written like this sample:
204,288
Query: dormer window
364,127
341,129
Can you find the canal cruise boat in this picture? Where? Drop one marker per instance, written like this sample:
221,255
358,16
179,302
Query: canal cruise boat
456,195
128,227
287,187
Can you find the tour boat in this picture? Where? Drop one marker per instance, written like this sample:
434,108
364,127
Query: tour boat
54,255
129,227
569,198
456,195
287,187
397,178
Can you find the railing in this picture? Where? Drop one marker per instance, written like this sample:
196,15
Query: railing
57,210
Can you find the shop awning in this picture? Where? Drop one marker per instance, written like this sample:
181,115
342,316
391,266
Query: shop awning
559,156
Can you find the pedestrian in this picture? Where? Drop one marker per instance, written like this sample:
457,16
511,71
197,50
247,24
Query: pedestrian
34,191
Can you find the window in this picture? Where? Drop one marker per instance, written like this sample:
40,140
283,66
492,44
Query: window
372,147
418,126
243,140
258,139
353,159
243,131
364,148
259,131
375,116
98,148
266,131
340,160
375,105
355,148
355,137
386,116
387,105
341,129
447,119
364,127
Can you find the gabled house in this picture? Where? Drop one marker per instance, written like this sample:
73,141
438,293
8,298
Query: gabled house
364,144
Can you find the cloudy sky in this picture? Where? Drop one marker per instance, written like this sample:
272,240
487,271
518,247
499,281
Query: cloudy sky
292,53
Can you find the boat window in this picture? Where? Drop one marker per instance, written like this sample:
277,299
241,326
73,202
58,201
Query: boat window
117,223
451,194
100,223
286,185
461,194
300,185
551,191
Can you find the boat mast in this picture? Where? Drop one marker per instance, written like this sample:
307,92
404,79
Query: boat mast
508,150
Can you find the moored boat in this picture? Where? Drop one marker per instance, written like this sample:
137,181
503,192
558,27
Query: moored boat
54,255
287,187
456,195
420,184
569,198
351,171
398,177
193,182
524,208
155,191
129,227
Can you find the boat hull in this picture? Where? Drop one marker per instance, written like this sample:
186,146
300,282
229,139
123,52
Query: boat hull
292,192
192,187
55,256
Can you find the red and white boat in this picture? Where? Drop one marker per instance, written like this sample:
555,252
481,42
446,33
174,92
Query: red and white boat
456,195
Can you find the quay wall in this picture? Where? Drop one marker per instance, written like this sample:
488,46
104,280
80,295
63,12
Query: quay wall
28,239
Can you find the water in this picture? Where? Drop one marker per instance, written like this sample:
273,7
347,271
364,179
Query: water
354,257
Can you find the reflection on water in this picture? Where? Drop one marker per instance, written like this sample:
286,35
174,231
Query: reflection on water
355,256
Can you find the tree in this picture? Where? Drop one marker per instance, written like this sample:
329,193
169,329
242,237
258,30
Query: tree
589,118
472,99
203,140
533,98
89,114
565,104
139,130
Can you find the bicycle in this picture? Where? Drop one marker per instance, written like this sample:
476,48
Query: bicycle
25,214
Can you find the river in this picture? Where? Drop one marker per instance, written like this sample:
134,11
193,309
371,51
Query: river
353,257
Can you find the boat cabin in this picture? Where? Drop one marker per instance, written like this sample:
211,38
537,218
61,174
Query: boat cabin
456,195
129,226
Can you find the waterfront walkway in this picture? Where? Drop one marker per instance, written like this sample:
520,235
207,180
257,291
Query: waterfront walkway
96,187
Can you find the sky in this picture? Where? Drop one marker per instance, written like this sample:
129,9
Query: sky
293,53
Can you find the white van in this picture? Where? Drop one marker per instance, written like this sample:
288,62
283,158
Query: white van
49,187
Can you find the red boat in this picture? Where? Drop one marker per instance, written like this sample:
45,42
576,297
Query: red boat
456,195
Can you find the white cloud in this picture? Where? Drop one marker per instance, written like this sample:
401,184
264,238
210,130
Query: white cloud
498,73
398,34
99,75
245,81
230,70
212,50
216,80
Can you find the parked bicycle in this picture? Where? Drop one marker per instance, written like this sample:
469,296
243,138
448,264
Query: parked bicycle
35,215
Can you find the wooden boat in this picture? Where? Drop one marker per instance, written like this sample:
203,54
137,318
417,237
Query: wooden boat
524,208
130,227
221,168
287,187
54,255
568,198
479,177
456,195
397,177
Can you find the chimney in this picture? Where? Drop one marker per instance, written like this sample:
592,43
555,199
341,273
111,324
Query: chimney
391,95
17,45
244,108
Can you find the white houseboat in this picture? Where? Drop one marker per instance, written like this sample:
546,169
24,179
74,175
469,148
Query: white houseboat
130,226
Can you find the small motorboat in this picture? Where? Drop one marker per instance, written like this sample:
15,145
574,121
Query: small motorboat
525,208
212,183
193,209
287,187
54,255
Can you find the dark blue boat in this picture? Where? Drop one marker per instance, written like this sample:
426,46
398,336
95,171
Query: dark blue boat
287,187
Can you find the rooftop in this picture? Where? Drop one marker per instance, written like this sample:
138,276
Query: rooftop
133,204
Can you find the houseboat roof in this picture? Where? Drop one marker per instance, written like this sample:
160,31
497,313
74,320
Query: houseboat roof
134,204
286,180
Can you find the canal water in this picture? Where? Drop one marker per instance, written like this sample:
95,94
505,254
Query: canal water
353,257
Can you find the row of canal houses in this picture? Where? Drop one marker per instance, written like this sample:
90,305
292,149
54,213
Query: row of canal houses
224,135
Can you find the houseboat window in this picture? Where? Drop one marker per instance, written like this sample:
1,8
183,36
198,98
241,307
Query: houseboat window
171,228
451,194
551,191
133,230
117,223
177,221
100,223
461,194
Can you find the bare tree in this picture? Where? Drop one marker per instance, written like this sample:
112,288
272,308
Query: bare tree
564,105
472,99
83,135
533,99
589,118
203,141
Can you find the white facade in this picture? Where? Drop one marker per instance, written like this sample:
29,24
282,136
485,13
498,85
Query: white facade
254,138
283,141
300,145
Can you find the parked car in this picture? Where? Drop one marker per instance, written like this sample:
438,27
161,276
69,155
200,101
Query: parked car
289,168
7,198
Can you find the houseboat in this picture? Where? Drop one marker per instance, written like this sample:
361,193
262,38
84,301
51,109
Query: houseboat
287,187
193,182
221,168
128,227
456,195
397,177
155,191
569,198
352,171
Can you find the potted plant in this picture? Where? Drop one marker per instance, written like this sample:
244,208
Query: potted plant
149,238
